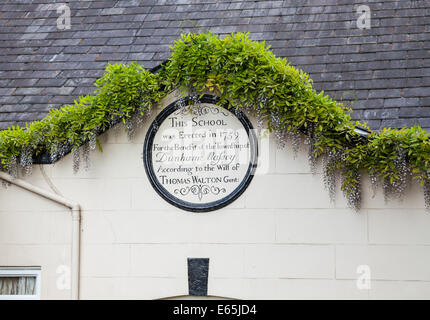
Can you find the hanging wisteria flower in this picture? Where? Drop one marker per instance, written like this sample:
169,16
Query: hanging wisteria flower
76,159
86,156
352,189
426,188
26,160
12,167
329,174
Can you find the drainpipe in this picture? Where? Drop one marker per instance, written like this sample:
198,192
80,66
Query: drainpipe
76,224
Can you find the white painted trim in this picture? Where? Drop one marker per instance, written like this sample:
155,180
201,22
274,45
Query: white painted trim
22,272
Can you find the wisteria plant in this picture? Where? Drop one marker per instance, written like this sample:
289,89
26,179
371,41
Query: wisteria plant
248,76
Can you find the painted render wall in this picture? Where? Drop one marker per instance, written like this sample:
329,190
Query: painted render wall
281,239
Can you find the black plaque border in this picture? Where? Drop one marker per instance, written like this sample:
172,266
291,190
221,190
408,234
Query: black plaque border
185,205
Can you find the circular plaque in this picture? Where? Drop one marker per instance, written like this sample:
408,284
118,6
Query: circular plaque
200,159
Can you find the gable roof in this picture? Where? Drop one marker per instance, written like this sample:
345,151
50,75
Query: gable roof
383,72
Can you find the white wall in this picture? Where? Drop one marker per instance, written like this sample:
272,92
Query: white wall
35,232
281,239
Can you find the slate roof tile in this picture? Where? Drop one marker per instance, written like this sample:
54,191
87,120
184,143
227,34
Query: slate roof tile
382,72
